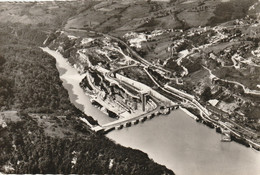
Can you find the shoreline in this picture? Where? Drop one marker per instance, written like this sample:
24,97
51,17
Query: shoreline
191,115
83,98
241,141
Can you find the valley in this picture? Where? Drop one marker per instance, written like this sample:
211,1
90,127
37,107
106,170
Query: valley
121,63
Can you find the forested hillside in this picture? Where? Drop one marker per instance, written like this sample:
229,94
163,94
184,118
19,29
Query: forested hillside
46,135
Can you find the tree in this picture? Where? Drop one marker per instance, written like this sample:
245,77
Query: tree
206,95
2,60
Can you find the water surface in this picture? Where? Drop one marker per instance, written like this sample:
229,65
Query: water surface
188,147
71,79
174,140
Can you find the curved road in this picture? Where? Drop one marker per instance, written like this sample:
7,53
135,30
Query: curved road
186,97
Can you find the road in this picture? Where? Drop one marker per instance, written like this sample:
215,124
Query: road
186,96
245,89
126,120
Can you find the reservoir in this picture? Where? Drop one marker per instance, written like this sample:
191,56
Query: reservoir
71,79
175,140
187,147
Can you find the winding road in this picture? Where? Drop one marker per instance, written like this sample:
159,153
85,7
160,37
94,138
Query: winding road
183,95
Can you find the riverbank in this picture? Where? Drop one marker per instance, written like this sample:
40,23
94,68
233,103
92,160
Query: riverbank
189,113
184,145
174,140
76,79
71,81
69,75
234,136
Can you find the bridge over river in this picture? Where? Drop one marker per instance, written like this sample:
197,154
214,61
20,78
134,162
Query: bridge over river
120,123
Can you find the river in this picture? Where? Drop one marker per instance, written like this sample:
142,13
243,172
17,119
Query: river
174,140
71,79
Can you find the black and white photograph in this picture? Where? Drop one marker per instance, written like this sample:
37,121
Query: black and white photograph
138,87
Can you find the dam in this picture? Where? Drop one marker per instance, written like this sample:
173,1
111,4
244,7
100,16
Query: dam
174,140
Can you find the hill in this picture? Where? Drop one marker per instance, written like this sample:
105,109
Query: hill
40,130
